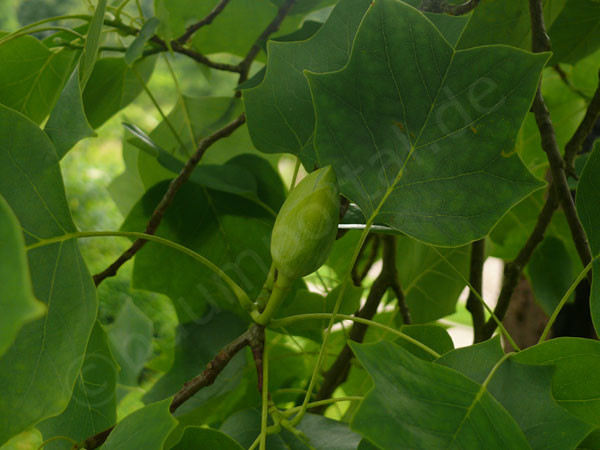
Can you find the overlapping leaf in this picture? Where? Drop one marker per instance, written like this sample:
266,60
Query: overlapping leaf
93,407
280,111
145,428
31,85
573,387
205,439
42,365
68,123
229,230
505,22
17,302
417,404
431,285
576,31
112,86
525,392
419,134
130,338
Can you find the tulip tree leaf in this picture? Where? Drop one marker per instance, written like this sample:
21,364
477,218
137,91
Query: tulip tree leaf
505,22
427,150
576,31
17,302
205,439
154,420
68,123
280,110
92,43
573,388
588,209
93,406
433,336
131,342
136,48
42,365
551,273
230,231
425,405
475,361
431,286
112,86
525,392
31,85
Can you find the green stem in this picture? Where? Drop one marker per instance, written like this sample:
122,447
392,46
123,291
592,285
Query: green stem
15,35
315,316
328,401
338,302
265,399
20,31
57,438
503,330
265,292
281,288
564,299
241,295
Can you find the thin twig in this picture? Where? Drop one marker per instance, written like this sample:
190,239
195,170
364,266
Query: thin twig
174,187
540,42
514,268
207,20
338,372
474,306
584,129
252,338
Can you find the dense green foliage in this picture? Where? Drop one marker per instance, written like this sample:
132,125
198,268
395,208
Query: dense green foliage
430,130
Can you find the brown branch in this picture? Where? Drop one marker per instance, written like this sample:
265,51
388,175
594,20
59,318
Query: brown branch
441,6
540,42
195,55
253,337
357,274
513,269
207,20
245,64
584,129
174,187
338,372
474,305
161,46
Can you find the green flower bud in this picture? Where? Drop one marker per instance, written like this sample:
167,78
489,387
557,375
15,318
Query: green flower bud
306,225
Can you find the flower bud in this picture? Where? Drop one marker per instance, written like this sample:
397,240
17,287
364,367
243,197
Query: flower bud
306,225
